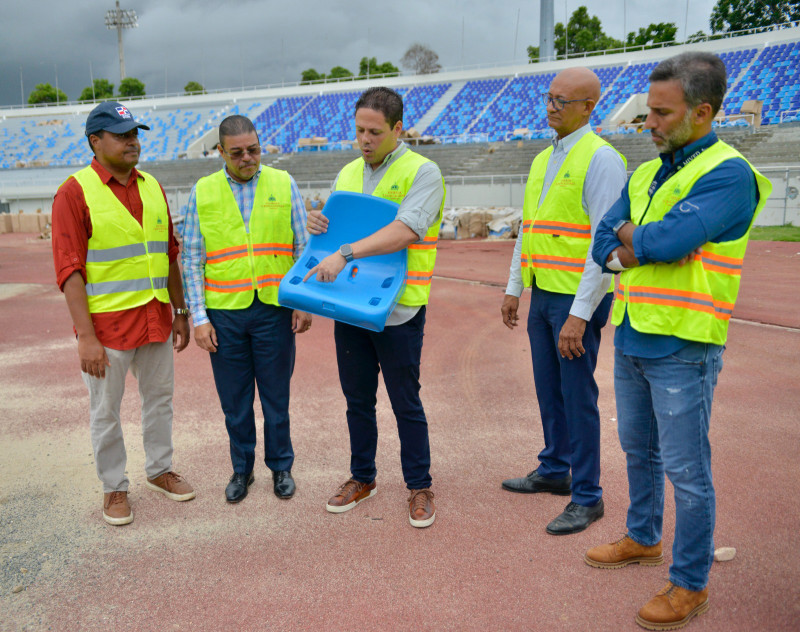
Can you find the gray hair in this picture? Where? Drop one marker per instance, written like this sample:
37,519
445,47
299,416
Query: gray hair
701,75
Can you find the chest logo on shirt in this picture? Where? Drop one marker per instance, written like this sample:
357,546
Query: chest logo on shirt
395,193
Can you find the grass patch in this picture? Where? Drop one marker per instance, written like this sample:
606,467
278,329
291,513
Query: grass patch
775,233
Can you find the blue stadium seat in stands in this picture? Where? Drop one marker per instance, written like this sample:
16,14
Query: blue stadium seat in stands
366,290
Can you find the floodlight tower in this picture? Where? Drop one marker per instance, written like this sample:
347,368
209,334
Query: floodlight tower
121,19
546,31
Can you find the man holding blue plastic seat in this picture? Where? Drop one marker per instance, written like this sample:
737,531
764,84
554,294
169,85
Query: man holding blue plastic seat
245,225
390,170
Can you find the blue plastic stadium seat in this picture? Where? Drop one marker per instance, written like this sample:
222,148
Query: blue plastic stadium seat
366,290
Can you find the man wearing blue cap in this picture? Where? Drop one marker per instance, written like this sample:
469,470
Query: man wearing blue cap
116,262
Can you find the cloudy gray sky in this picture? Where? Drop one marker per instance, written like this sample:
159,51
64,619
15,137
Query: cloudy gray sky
224,44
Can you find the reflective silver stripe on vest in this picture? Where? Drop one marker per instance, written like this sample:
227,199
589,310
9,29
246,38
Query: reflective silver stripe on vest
157,247
136,285
540,260
115,254
125,252
683,299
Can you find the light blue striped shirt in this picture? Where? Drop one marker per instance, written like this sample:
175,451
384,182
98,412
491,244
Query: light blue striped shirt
193,248
605,179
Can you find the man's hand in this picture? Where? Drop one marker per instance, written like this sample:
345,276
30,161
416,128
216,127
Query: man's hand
206,337
317,223
570,339
509,311
301,321
328,269
180,332
690,257
92,355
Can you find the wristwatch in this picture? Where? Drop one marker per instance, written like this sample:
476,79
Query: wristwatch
181,311
346,250
619,225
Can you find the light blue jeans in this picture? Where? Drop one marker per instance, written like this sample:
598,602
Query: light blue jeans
663,411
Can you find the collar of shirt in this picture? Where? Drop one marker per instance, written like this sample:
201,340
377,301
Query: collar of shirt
105,174
564,145
668,160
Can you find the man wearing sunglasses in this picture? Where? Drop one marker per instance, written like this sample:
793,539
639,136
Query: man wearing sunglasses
244,227
116,262
570,187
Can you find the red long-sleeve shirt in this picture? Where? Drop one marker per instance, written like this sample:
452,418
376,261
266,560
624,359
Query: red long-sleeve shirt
72,228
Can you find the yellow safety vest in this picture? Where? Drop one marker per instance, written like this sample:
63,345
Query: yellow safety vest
694,301
394,186
238,262
556,233
127,264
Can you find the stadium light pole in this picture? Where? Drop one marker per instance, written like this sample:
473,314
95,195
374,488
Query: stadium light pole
546,32
121,19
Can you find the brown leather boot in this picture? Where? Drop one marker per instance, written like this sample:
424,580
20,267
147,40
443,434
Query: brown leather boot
623,552
672,608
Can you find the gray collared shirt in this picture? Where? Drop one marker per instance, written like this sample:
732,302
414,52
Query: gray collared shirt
605,179
419,209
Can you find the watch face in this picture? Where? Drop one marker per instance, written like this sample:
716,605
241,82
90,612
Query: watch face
346,250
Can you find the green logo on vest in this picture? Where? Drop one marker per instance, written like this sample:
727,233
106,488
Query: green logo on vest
677,191
158,221
395,187
566,175
271,198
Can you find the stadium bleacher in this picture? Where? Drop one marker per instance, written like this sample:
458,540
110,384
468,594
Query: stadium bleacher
486,108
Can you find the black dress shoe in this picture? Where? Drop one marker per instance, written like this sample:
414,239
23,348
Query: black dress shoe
237,487
575,518
283,484
533,484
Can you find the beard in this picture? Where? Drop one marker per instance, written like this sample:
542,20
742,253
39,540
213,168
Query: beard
677,137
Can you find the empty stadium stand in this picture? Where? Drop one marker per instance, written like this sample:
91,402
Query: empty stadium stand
468,115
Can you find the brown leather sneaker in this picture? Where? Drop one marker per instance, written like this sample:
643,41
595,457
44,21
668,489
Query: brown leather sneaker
172,485
421,510
349,495
116,509
623,552
672,608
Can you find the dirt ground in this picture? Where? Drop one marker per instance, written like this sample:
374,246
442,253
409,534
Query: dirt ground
486,564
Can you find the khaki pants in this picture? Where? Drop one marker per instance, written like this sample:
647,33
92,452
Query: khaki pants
152,366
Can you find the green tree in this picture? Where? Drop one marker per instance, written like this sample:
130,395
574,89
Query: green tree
194,88
583,34
421,59
370,66
310,75
738,15
339,72
698,36
131,87
45,93
653,34
100,90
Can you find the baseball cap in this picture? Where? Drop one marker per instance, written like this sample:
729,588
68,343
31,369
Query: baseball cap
113,117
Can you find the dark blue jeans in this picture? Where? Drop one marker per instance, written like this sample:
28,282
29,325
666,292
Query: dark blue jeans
255,347
361,355
663,412
567,394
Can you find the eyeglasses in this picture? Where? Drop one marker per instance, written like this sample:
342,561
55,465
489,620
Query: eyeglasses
558,104
238,154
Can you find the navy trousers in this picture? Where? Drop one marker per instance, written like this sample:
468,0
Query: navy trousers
567,394
361,355
255,347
